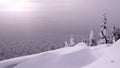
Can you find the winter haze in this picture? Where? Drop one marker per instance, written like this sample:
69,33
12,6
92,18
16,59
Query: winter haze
59,33
58,17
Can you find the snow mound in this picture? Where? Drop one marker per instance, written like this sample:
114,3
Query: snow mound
110,58
15,61
117,43
81,44
69,57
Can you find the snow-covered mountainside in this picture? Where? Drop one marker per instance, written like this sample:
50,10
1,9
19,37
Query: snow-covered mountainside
79,56
109,59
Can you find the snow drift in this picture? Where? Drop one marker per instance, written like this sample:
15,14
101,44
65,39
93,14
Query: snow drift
109,59
69,57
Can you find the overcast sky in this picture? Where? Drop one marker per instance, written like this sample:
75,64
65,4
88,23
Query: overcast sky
58,16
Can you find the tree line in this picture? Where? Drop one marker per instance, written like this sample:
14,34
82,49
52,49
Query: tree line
102,38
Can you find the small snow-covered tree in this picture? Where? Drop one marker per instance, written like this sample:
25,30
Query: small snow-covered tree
72,41
66,44
91,39
115,34
103,39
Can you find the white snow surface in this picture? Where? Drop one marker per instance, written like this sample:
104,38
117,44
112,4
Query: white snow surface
109,59
79,56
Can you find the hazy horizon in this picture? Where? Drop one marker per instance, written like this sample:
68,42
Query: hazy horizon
57,18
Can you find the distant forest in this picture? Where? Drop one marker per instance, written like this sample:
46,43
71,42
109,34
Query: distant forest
10,49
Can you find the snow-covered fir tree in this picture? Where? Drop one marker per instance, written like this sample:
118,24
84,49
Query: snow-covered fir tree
72,40
103,39
66,44
115,34
91,41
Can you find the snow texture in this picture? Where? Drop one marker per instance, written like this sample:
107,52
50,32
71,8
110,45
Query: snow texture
79,56
109,59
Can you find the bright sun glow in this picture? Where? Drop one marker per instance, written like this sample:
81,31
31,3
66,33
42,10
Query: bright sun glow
14,5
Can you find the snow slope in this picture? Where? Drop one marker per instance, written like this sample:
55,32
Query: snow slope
69,57
79,56
110,58
15,61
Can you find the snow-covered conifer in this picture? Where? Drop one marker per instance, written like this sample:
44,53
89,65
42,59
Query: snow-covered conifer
113,34
91,39
72,40
66,44
103,39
